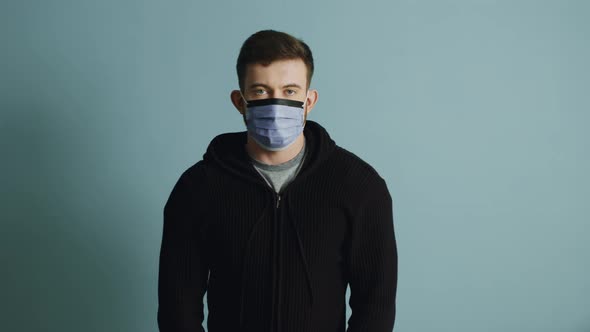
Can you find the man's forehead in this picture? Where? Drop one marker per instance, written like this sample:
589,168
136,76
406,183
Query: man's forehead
277,73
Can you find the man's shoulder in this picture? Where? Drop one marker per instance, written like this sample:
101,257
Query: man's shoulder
357,171
194,173
348,159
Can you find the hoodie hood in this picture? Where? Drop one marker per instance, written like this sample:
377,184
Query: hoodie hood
228,151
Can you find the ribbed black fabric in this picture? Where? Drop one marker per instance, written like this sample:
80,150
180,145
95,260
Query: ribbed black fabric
278,263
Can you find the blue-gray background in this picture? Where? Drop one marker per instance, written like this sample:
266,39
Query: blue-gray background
475,113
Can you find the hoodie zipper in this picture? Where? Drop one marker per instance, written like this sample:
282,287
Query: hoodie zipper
276,262
278,253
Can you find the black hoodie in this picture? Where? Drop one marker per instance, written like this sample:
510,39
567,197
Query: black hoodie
272,262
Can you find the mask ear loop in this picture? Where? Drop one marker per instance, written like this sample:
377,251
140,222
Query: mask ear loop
245,114
245,103
304,112
241,95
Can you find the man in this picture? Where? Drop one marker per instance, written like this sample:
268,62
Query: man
277,220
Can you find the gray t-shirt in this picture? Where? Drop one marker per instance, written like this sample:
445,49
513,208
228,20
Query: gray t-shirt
278,176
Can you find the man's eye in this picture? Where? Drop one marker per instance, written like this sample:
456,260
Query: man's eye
290,92
259,92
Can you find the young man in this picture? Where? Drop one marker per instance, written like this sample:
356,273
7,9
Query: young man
277,220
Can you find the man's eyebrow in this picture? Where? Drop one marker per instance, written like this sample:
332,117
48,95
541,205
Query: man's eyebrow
256,84
290,85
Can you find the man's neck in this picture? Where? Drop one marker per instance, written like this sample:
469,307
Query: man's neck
274,157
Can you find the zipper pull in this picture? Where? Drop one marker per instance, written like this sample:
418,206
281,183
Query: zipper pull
278,200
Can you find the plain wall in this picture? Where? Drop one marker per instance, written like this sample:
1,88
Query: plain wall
475,112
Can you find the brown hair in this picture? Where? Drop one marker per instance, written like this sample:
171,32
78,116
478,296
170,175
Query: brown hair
266,46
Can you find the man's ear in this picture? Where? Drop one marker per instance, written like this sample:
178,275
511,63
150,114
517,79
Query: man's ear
238,101
312,98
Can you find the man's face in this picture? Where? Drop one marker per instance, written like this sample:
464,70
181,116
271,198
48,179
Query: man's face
285,79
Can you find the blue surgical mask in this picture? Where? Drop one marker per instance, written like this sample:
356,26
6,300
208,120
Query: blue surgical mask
275,123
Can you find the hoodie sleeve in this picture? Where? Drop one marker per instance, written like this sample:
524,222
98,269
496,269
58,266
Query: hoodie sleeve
183,271
373,265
